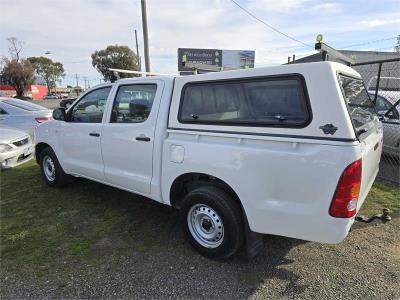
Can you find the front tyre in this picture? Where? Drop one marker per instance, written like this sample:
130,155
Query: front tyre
213,222
51,170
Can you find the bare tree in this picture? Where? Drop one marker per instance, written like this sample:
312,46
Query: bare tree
15,70
15,48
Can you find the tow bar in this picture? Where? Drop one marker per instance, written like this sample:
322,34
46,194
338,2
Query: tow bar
384,217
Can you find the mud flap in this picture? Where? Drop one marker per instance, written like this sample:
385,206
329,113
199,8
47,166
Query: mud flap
254,242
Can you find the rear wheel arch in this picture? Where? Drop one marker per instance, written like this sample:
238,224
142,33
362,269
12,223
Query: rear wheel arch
187,182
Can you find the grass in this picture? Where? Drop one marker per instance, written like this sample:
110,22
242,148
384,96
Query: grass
84,221
42,227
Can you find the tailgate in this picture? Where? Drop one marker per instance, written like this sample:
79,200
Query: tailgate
367,128
371,149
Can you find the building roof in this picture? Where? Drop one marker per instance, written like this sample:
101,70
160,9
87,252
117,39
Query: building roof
358,56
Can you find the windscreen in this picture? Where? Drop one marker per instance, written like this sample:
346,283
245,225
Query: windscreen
361,108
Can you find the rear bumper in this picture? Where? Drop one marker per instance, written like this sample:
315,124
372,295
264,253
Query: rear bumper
324,230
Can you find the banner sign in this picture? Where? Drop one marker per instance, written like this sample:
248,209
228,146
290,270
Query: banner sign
228,59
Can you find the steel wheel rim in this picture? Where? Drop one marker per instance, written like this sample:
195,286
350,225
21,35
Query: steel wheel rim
49,168
205,226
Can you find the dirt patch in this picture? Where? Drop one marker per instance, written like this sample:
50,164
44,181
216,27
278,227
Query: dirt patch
107,246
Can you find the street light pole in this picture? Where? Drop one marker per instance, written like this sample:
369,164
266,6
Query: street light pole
145,36
137,53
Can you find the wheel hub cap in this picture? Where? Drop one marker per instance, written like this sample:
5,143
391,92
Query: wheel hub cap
49,168
205,225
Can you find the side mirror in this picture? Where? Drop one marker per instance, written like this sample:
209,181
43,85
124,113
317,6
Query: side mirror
59,114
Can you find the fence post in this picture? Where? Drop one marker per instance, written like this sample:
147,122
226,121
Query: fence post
377,82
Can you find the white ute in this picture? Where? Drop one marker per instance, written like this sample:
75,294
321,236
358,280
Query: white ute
289,150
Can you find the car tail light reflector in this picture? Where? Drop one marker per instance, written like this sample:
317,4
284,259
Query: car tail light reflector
344,202
42,119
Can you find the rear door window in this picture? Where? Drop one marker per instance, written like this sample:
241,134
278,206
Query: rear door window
246,102
361,108
133,103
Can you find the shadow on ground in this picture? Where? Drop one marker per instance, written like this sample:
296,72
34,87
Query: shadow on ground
87,239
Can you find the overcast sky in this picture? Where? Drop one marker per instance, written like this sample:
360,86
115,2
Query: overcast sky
73,29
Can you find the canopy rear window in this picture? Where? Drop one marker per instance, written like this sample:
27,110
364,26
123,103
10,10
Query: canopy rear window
270,101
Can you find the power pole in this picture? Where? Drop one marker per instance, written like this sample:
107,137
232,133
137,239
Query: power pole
145,36
137,53
85,78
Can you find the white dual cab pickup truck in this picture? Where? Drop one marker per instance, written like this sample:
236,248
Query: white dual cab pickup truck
289,150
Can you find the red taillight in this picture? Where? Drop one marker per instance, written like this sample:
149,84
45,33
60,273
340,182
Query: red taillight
344,202
42,119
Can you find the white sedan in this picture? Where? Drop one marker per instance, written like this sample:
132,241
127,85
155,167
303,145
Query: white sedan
22,114
15,147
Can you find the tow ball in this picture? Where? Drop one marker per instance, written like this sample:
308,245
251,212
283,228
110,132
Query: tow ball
384,217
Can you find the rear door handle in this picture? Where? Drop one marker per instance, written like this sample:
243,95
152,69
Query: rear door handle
94,134
143,138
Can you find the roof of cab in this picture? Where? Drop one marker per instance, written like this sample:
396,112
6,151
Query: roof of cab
162,77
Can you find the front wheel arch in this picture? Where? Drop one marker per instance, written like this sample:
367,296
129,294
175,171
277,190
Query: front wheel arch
39,148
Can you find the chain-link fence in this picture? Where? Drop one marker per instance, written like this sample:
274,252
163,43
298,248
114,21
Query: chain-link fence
382,79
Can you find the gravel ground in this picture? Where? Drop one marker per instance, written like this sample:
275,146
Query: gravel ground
365,266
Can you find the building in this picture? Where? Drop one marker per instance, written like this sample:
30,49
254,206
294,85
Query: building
33,91
369,72
357,56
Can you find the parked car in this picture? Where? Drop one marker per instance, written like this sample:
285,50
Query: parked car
67,102
289,150
391,84
4,94
391,120
22,114
51,96
15,147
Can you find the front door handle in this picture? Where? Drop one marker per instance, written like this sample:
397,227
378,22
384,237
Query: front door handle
94,134
143,138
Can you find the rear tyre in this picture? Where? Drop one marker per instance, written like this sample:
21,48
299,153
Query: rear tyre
52,172
213,222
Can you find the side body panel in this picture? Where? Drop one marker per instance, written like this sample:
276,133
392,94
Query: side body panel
285,187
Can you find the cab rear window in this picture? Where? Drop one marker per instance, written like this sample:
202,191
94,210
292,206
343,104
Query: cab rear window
361,108
277,101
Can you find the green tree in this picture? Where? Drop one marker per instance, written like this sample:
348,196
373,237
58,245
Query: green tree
19,74
50,71
117,57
